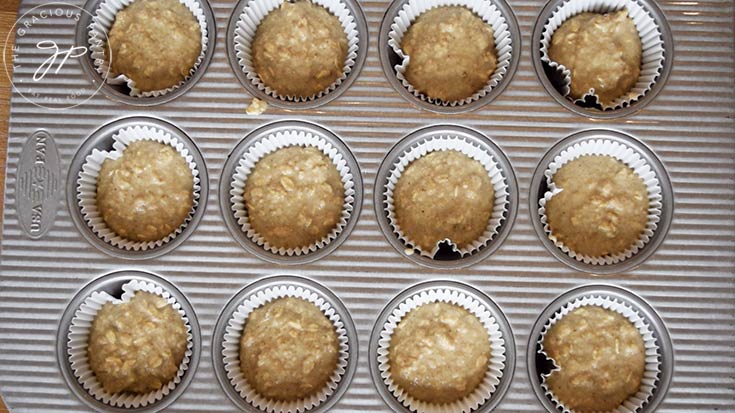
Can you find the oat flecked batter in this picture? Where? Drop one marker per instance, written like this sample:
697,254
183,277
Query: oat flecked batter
299,49
439,353
155,43
294,197
602,208
137,346
601,359
147,193
288,350
602,52
452,53
445,194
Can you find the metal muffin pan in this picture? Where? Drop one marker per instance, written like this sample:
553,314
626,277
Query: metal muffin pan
257,287
389,59
689,280
121,93
101,139
658,328
539,188
112,284
487,302
231,164
658,86
362,51
477,139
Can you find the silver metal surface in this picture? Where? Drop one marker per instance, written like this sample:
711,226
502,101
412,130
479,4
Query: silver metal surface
477,139
659,17
258,287
389,59
690,280
101,139
112,284
505,330
539,187
121,93
228,171
362,51
654,321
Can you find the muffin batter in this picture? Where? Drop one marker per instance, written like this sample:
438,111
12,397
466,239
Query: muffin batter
601,359
299,49
155,43
439,353
452,53
137,346
602,208
289,349
294,197
147,193
444,194
602,52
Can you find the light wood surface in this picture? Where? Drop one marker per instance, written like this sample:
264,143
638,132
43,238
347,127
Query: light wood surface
8,11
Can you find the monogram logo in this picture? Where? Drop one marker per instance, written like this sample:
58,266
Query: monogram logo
46,58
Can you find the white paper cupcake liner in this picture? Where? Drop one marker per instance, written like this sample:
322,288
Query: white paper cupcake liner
652,350
486,10
231,349
496,363
652,45
272,143
250,19
98,33
629,157
445,143
79,331
87,185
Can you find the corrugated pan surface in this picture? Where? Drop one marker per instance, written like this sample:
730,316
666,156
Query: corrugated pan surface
690,281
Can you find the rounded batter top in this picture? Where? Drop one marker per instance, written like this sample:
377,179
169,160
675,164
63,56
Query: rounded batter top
439,353
600,356
294,197
299,49
602,52
452,53
288,350
147,193
602,208
444,194
137,346
155,43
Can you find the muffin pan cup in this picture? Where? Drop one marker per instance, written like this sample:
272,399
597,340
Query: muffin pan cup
656,57
501,365
72,336
247,15
652,369
657,343
228,331
92,31
80,329
446,143
268,139
633,160
471,143
633,153
81,185
87,184
504,43
398,19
